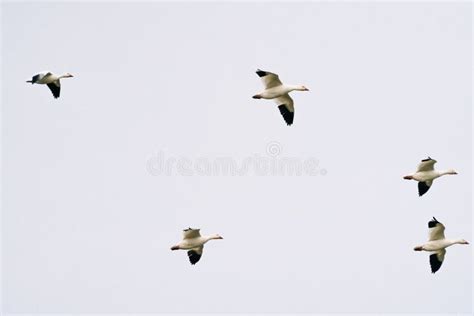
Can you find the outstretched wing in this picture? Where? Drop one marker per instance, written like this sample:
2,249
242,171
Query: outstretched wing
55,88
287,110
269,79
190,233
426,165
195,254
39,76
436,230
436,260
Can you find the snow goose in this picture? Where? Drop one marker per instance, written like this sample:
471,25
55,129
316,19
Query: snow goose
51,80
194,243
425,174
278,91
437,244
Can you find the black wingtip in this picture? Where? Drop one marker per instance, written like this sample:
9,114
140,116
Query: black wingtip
193,257
435,263
432,223
54,89
261,73
287,115
422,188
427,159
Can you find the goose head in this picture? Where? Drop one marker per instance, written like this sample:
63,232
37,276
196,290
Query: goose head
216,236
463,242
451,171
67,75
302,88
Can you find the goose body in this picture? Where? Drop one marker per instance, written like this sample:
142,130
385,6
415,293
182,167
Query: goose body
437,244
425,174
276,90
51,80
194,243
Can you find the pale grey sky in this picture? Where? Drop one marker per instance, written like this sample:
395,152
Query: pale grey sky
86,227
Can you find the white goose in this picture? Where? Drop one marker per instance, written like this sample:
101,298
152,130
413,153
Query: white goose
194,243
278,91
425,174
51,80
437,244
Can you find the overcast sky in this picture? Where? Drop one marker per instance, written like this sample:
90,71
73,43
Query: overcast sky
88,217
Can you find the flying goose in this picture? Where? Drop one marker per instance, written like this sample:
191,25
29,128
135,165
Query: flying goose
425,174
194,243
278,91
437,244
51,80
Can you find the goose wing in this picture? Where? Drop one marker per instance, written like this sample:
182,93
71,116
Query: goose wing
287,110
436,260
190,233
39,76
423,187
195,254
269,79
426,165
55,88
436,230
